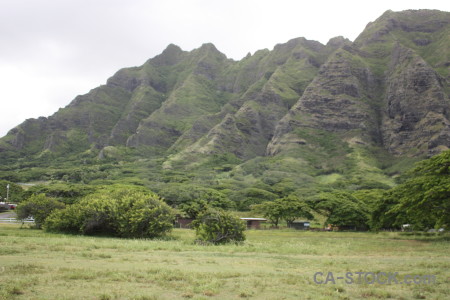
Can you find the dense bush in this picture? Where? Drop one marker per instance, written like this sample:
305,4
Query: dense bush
39,207
117,212
219,227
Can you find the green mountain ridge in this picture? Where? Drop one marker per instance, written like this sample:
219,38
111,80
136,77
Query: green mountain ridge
350,114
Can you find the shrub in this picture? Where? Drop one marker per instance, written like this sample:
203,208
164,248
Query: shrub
219,227
67,220
148,217
116,212
39,207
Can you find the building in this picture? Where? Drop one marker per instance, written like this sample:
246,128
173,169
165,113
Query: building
254,223
301,225
183,222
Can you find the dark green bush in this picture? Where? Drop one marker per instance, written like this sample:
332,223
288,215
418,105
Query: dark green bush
219,227
117,212
39,207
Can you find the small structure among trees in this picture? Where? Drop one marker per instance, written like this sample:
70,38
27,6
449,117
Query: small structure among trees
287,208
183,222
254,223
300,225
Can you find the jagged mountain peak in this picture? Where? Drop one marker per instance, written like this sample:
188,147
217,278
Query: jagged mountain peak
410,21
338,41
170,56
322,106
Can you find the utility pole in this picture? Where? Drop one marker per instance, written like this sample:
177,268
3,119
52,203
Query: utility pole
7,193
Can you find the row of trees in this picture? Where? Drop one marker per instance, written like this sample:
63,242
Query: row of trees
421,198
123,212
131,212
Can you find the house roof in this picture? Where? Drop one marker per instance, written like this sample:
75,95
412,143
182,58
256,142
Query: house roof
254,219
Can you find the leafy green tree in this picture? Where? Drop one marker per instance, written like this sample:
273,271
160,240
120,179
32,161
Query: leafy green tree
39,207
194,208
383,215
176,194
271,210
423,198
292,208
288,208
247,197
219,227
67,193
286,186
342,209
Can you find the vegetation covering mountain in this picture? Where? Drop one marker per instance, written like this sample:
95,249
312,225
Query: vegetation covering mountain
302,118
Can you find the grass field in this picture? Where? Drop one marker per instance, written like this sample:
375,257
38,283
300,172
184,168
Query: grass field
271,264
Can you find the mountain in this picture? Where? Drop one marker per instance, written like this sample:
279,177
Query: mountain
349,114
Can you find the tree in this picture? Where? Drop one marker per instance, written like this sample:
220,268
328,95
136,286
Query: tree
67,193
292,208
194,208
383,215
288,208
219,227
271,210
39,207
177,194
342,209
423,198
247,197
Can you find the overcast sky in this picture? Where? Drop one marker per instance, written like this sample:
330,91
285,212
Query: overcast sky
53,50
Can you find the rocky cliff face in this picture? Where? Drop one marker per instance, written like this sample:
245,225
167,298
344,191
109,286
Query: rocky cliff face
388,89
416,117
379,90
337,101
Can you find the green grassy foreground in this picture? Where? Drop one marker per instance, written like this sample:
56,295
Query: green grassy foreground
271,264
